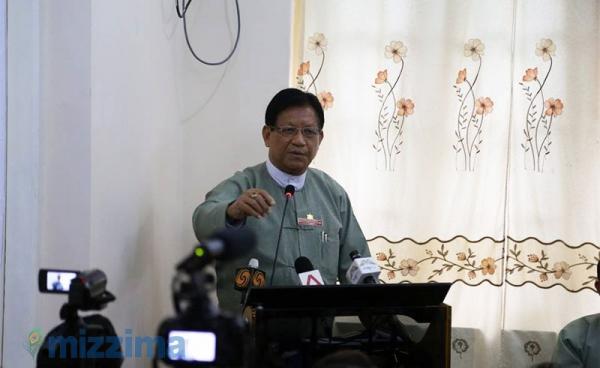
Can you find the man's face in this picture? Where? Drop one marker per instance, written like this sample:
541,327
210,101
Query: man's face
293,154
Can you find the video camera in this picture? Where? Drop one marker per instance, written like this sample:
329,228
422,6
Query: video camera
62,346
200,334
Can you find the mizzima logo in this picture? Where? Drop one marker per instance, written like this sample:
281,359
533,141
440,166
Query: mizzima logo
34,341
110,347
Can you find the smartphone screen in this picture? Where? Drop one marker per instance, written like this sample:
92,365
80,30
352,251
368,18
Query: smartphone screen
199,346
55,281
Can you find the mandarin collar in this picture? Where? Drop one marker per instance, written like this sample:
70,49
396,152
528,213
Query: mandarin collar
284,179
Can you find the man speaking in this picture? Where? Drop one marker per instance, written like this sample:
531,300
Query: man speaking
318,224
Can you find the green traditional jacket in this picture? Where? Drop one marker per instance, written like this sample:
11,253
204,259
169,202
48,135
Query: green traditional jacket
319,225
579,344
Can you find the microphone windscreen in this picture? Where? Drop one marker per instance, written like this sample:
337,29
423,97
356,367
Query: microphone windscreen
223,245
237,242
253,263
289,191
354,254
302,265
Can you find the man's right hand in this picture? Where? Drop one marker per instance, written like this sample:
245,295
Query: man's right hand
253,202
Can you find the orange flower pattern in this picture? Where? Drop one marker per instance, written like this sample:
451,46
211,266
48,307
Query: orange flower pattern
436,264
538,121
539,263
488,266
410,267
530,75
533,258
326,99
304,68
471,112
391,275
405,107
381,77
484,106
392,111
317,43
462,76
553,107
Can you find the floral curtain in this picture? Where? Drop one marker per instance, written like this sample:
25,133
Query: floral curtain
465,132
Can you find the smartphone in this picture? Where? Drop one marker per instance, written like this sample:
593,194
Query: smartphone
55,281
199,346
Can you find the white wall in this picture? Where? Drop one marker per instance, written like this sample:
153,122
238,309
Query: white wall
223,133
132,133
22,203
3,70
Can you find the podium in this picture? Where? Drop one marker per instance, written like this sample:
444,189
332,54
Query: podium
422,302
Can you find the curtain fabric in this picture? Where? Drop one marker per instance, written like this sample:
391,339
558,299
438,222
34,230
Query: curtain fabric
467,135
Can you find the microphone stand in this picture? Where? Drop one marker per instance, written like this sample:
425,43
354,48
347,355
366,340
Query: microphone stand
289,193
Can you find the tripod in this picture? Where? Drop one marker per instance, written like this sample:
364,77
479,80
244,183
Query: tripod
81,342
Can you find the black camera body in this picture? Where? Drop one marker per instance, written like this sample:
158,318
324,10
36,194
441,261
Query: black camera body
88,291
210,342
80,341
200,335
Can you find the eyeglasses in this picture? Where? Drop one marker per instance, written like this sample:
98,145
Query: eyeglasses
290,131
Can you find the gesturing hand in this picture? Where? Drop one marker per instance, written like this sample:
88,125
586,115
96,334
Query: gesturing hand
253,202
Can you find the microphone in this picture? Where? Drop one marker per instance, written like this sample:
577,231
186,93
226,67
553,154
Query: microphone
289,194
289,191
363,270
307,273
223,245
247,277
